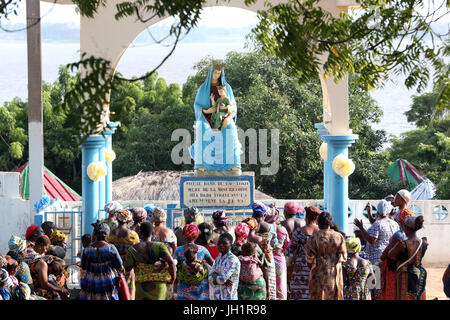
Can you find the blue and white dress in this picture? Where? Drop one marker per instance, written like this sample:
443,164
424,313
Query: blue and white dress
225,267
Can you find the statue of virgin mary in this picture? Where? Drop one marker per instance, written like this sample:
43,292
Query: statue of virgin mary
216,152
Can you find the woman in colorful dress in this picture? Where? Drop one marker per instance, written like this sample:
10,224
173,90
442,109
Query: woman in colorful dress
139,216
268,234
146,258
101,262
32,234
161,232
325,253
123,238
389,266
224,275
190,215
298,270
356,271
17,248
196,289
272,216
410,276
249,290
204,239
112,208
58,238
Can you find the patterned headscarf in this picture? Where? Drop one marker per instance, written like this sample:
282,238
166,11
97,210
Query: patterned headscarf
159,215
353,244
259,206
4,275
405,194
251,222
272,214
191,212
3,261
113,207
403,214
30,231
57,236
23,291
149,208
139,214
384,208
17,244
124,216
191,231
242,231
220,216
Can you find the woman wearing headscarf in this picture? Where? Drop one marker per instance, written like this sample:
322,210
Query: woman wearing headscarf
19,247
204,239
389,266
101,262
298,270
410,274
190,215
123,238
291,222
161,232
378,235
146,259
249,290
139,216
58,238
41,269
31,235
226,158
325,253
219,219
356,271
268,235
196,289
272,216
112,208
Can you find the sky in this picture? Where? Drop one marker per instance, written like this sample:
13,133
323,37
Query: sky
211,17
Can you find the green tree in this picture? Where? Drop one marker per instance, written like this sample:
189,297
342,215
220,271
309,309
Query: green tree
422,109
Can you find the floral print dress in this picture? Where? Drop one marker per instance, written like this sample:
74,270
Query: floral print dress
355,287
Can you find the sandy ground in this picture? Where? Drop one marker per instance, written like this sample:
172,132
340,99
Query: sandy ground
434,287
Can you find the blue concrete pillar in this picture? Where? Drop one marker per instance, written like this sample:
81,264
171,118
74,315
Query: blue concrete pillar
111,129
321,130
90,189
101,183
338,186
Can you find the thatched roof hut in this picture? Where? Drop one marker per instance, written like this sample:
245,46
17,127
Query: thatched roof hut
156,185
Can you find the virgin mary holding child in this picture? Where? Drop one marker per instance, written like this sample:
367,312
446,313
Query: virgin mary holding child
216,150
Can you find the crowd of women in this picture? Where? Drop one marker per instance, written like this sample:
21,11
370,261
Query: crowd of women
133,255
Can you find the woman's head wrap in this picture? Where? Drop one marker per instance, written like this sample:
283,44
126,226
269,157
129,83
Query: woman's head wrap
272,214
312,212
159,215
292,207
384,208
113,207
220,216
258,206
191,231
3,261
405,194
17,244
251,222
139,214
149,208
124,216
100,229
353,244
23,291
242,231
30,231
4,275
403,214
57,236
191,212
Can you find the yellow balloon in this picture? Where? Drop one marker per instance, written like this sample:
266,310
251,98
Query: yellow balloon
96,171
323,151
110,155
343,166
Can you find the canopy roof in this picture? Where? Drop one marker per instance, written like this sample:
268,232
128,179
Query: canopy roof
53,186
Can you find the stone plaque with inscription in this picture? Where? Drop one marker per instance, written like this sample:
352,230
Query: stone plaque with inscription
217,192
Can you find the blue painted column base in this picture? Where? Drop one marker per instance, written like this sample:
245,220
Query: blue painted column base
111,129
90,189
338,186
